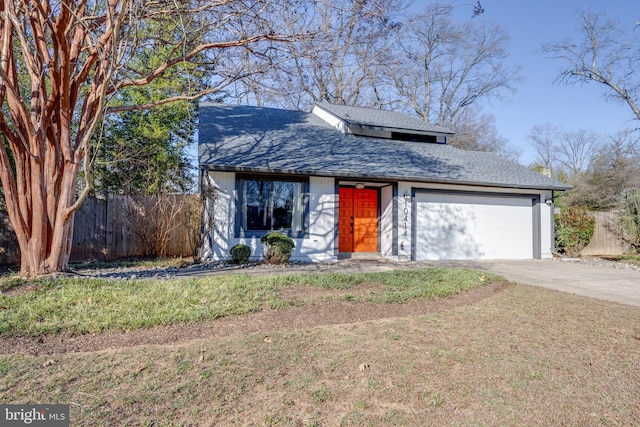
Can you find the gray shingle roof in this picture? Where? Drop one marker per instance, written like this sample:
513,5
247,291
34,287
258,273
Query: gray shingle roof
252,139
381,118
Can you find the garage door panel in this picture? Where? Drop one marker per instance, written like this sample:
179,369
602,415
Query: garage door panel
450,226
448,234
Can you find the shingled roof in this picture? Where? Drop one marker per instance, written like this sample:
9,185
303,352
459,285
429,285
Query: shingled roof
267,140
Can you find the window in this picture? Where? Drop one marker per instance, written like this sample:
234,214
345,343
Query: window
272,205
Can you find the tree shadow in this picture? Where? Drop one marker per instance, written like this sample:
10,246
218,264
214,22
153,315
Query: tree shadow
270,140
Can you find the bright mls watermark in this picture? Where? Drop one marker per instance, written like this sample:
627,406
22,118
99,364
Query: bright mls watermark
34,415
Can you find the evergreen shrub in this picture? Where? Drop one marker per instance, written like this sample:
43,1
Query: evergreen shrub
240,254
278,248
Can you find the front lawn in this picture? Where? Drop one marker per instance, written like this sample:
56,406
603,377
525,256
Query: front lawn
521,355
80,306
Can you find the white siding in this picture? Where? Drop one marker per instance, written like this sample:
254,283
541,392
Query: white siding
317,245
546,226
386,221
320,245
222,207
320,241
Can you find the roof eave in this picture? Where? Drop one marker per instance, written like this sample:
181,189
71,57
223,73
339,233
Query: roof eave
301,172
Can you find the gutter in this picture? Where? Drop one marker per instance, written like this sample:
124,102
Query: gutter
267,170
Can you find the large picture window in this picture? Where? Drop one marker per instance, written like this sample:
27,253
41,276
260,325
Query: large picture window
272,205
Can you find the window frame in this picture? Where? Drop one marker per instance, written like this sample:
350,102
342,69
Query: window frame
241,232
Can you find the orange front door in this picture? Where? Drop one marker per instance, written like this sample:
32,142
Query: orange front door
358,220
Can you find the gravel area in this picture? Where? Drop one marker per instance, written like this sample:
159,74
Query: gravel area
600,262
223,267
215,267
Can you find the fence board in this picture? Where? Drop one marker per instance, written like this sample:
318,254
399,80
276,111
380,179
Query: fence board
89,230
102,231
605,241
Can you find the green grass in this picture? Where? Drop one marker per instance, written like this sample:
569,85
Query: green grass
401,285
11,281
79,306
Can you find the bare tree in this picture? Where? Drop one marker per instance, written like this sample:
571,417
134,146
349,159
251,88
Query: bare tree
368,53
477,131
577,150
157,220
575,154
614,171
444,71
565,153
544,141
60,64
600,168
618,162
338,62
606,52
450,68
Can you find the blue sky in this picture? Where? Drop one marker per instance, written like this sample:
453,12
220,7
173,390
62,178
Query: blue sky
539,100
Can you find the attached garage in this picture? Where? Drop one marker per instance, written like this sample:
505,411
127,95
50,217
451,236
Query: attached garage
459,226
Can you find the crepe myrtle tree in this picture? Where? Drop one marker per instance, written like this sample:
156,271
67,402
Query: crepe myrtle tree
62,62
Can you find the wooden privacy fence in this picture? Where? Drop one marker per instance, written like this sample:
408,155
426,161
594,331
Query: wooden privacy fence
605,240
112,227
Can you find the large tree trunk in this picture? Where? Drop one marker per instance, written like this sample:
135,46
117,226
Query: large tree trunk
44,254
47,128
42,215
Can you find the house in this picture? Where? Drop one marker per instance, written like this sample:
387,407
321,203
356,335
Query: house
346,180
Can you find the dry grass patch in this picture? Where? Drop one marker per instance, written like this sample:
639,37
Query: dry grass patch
524,356
366,291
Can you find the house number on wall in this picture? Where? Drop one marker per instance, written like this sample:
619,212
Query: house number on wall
406,217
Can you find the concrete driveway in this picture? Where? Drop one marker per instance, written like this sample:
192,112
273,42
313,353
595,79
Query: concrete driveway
608,283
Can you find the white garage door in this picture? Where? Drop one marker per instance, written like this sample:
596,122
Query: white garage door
452,226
